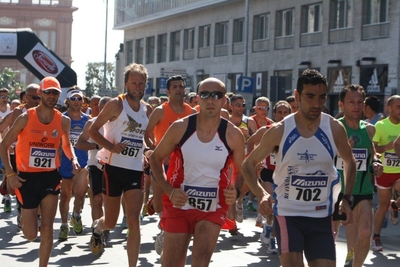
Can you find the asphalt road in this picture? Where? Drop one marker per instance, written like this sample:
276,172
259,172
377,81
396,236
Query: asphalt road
244,249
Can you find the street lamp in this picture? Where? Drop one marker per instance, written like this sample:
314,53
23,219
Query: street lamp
105,52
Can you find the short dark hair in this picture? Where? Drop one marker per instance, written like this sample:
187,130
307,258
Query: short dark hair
310,76
351,87
175,78
373,102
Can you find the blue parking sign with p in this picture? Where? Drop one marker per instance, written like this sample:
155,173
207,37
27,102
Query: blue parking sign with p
246,84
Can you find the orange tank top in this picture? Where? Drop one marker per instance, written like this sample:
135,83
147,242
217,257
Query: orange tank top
38,144
169,117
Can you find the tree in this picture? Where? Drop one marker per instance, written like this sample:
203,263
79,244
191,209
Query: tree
8,80
94,79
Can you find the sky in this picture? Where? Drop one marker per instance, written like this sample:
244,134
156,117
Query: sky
88,35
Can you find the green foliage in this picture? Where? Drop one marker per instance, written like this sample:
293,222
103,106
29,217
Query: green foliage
94,78
8,79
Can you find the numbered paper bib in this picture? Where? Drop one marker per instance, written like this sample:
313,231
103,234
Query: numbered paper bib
201,198
42,158
360,154
306,188
272,159
133,147
391,160
73,138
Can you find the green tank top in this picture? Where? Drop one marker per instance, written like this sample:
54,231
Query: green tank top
362,154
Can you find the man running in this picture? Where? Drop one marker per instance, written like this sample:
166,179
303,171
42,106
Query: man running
125,119
198,189
306,183
39,131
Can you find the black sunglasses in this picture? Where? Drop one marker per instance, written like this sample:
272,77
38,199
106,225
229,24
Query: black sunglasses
215,94
34,97
51,91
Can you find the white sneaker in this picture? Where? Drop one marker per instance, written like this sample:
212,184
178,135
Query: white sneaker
239,212
159,244
272,249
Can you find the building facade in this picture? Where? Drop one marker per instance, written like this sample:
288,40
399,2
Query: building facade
272,41
50,20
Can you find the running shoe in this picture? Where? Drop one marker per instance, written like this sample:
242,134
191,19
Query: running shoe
123,223
159,244
393,213
239,212
349,259
96,243
19,221
376,244
76,223
250,207
63,234
7,204
272,249
265,236
260,221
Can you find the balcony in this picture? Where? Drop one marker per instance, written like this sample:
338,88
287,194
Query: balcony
341,35
376,30
221,50
238,48
311,39
260,45
284,42
135,12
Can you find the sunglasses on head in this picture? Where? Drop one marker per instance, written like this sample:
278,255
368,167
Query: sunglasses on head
215,94
34,97
73,98
51,91
262,108
4,97
239,104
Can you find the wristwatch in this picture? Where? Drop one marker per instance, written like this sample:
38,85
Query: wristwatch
349,199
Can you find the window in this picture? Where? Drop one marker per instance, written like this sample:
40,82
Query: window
48,37
377,11
162,48
150,45
221,33
129,52
175,45
204,36
139,51
45,2
238,31
284,23
260,27
312,19
341,11
189,39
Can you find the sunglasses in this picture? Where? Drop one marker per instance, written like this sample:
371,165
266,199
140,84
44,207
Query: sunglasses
215,95
262,108
239,105
73,98
51,91
4,97
34,97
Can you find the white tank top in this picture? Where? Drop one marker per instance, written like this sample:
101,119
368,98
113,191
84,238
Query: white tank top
306,182
92,160
129,129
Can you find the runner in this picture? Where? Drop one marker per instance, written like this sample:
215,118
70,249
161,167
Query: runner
185,213
39,131
125,119
306,183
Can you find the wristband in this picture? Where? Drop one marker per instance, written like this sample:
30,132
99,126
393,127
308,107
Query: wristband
11,174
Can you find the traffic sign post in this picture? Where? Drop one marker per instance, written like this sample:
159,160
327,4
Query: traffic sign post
246,89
